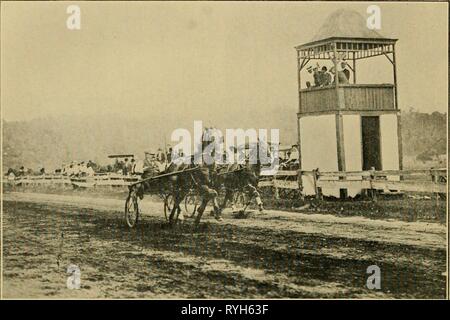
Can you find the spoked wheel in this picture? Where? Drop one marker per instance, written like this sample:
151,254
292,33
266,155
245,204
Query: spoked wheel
132,210
168,205
191,203
239,200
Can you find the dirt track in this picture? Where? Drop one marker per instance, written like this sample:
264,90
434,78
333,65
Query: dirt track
273,255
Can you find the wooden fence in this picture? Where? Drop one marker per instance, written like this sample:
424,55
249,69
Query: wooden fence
289,182
424,180
99,179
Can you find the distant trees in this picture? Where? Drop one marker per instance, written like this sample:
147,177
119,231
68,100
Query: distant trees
424,134
50,143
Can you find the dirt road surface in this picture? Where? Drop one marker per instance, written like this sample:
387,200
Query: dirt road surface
272,255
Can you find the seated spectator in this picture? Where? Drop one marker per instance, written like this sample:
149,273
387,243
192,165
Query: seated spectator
325,77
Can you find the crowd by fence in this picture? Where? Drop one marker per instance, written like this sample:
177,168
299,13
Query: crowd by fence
95,180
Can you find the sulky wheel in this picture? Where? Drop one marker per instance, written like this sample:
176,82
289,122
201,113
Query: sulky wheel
168,205
132,209
191,203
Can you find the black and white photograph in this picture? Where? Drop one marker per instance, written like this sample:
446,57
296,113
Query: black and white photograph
205,150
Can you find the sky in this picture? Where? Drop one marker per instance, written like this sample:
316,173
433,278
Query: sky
229,64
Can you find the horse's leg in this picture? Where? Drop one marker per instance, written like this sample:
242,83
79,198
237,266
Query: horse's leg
182,195
176,205
217,210
255,194
212,194
200,209
228,196
208,194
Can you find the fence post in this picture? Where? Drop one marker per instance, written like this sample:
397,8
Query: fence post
373,192
435,179
316,188
300,184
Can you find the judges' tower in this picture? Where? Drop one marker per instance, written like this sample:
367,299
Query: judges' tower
347,126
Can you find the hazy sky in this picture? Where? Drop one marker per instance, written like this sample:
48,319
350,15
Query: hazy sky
220,62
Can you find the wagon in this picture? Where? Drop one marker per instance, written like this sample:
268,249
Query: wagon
158,184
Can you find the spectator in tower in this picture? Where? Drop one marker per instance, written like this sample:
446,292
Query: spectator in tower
342,78
325,77
345,70
316,74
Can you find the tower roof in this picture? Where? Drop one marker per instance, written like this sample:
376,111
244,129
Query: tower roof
345,24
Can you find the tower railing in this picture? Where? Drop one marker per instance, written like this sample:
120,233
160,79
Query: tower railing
355,97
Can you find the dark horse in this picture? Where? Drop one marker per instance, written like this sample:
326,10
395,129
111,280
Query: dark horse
242,177
178,180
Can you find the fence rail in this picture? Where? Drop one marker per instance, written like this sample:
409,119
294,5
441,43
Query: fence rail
98,179
420,180
417,180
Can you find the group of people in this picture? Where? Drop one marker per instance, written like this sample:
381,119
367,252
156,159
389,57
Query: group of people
78,169
90,168
323,77
157,161
128,167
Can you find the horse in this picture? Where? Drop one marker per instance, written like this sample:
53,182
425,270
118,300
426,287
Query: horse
199,179
187,176
242,177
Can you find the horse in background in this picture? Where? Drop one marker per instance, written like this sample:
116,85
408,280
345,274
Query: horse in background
243,177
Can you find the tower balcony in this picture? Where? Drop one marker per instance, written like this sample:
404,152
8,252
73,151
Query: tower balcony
349,97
